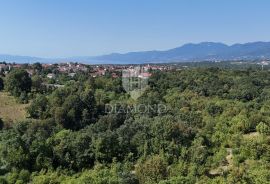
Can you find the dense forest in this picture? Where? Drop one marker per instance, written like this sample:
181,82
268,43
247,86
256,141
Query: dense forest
215,129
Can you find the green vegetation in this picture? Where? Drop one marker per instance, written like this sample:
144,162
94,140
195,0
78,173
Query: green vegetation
1,84
18,83
215,130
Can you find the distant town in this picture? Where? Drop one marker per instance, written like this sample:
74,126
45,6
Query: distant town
114,70
71,69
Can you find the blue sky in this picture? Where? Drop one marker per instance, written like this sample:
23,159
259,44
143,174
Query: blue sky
63,28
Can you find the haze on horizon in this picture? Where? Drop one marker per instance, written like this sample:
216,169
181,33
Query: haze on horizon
86,28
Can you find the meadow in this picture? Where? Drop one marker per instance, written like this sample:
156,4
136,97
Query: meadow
10,110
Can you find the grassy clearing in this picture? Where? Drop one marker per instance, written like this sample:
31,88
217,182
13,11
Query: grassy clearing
252,135
10,110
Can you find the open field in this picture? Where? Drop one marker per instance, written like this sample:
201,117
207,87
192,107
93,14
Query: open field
10,110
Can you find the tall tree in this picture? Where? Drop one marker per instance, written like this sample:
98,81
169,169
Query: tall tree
18,82
1,84
37,67
1,124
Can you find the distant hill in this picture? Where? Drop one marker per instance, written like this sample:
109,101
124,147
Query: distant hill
22,59
205,51
195,52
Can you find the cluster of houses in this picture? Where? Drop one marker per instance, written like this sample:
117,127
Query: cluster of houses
115,71
71,69
6,67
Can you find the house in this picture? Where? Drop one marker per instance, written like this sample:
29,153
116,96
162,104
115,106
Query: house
17,66
71,74
101,72
114,75
30,72
3,67
145,75
51,75
46,65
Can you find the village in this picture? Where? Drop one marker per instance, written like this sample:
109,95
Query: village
71,69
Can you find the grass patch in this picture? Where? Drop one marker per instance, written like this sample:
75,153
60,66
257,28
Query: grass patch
252,135
10,110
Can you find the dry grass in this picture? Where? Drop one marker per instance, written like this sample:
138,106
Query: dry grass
251,135
10,110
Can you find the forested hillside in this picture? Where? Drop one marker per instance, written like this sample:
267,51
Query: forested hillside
215,129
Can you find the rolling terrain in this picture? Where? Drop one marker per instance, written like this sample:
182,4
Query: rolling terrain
205,51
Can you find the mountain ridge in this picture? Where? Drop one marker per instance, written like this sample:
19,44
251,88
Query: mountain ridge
211,51
197,52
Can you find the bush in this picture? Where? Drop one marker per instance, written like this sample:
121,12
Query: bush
3,181
1,124
214,109
23,98
152,170
1,84
38,107
263,128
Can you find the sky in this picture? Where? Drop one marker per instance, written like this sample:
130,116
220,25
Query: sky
65,28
